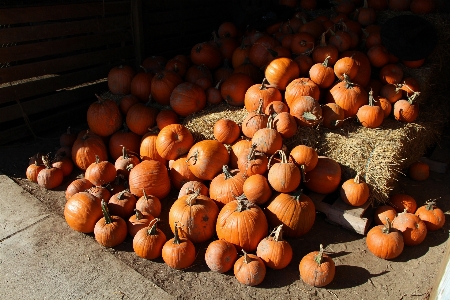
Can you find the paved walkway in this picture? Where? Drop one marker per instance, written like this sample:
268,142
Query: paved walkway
42,258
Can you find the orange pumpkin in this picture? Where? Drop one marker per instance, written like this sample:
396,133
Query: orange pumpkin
370,115
275,252
206,159
233,89
432,215
419,171
220,256
383,212
226,131
412,227
384,241
100,172
354,191
317,268
325,177
148,242
110,231
104,117
256,92
149,205
151,176
178,252
249,269
173,141
187,98
349,96
226,186
162,86
119,80
284,177
281,71
400,202
322,74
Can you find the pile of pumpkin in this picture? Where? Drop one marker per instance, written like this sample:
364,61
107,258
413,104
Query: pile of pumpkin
223,182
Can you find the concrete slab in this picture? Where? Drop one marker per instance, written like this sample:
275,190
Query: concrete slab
18,209
48,260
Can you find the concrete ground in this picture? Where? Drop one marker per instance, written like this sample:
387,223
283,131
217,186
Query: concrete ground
34,264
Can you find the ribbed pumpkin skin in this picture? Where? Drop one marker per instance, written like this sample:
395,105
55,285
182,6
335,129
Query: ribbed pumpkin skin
82,211
152,176
267,140
86,148
76,186
33,171
173,141
314,274
251,273
304,156
297,213
325,177
180,173
354,192
112,234
140,118
387,245
147,148
187,98
433,216
260,91
301,87
101,173
162,86
349,97
220,256
284,177
149,204
414,230
206,159
281,71
276,254
178,256
141,85
224,189
257,189
149,246
244,229
196,215
104,117
127,139
119,80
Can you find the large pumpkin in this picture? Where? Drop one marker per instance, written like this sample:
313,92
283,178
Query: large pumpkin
163,84
150,176
173,141
119,80
325,177
104,117
86,148
207,54
82,211
187,98
206,159
349,96
234,88
281,71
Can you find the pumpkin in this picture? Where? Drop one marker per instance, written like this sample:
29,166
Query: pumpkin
122,204
207,54
378,56
154,64
261,92
370,115
166,117
305,157
384,104
267,140
391,92
314,27
419,171
325,177
104,117
422,6
324,51
260,52
49,177
236,150
151,176
403,201
227,45
226,186
322,74
409,86
77,186
412,227
195,73
141,117
346,65
301,87
206,158
174,141
249,269
349,96
384,241
366,15
222,74
86,148
126,102
100,192
407,110
100,172
276,107
163,84
148,148
275,252
220,256
33,171
138,221
149,241
192,186
177,66
354,192
284,176
333,116
149,205
391,74
304,63
178,252
317,268
256,188
431,215
82,211
340,39
125,163
187,98
123,138
213,95
226,131
362,77
306,111
399,5
110,231
251,161
240,55
281,71
383,212
251,70
67,138
233,89
119,80
141,85
254,121
64,163
242,223
285,124
227,29
180,173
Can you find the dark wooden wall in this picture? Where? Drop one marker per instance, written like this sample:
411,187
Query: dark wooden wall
53,58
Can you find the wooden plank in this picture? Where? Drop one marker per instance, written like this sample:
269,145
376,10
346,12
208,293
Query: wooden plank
64,28
155,18
355,211
42,104
48,85
180,28
65,64
175,44
60,46
58,12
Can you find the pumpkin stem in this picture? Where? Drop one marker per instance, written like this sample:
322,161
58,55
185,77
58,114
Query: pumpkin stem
357,178
97,159
431,204
325,62
46,161
371,99
387,226
278,233
106,212
218,84
302,171
100,99
193,156
251,153
120,196
323,41
176,239
243,203
247,259
226,172
263,84
259,110
413,97
348,83
318,258
124,152
270,122
138,214
68,130
282,155
153,229
191,200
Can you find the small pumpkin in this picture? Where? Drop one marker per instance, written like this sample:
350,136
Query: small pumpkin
407,110
141,85
86,148
226,186
64,163
187,98
174,141
322,74
257,190
100,192
100,172
192,186
33,171
119,79
76,186
138,221
123,138
206,158
383,212
226,131
49,177
82,211
419,171
67,138
400,202
254,121
180,173
333,116
233,89
275,252
349,96
317,268
125,163
110,231
149,204
432,215
166,117
149,241
412,227
220,256
281,71
384,241
284,177
355,192
324,51
306,111
370,115
148,147
285,124
249,269
163,84
151,176
305,157
178,252
346,65
251,161
104,117
391,74
141,117
122,204
207,54
325,177
301,87
267,140
257,92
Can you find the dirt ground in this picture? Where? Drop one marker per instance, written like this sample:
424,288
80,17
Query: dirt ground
359,274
